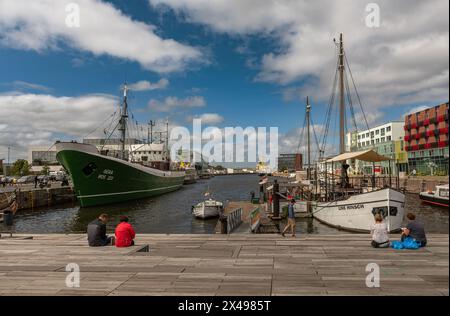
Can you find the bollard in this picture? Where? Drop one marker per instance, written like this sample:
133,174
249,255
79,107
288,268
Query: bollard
223,224
8,218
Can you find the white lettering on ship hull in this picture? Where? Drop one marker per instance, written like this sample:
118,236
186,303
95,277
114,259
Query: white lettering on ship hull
107,175
351,207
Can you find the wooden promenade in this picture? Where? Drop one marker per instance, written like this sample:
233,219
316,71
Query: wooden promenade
244,265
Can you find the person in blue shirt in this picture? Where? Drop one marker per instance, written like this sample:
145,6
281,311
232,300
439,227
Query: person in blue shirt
291,219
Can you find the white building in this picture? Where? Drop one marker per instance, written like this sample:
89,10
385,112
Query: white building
42,155
388,132
148,152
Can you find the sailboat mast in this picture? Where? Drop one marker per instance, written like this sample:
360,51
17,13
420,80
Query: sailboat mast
123,120
308,112
167,140
341,98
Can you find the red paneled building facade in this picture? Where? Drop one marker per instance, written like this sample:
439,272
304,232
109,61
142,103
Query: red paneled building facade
426,140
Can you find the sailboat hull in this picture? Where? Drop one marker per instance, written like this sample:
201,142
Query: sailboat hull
357,212
100,180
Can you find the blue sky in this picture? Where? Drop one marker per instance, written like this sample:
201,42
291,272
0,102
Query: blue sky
248,65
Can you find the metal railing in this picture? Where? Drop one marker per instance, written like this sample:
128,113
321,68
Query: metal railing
234,219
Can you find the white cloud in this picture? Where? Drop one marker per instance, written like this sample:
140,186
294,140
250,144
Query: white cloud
23,85
404,61
417,109
35,119
40,25
208,118
145,85
171,103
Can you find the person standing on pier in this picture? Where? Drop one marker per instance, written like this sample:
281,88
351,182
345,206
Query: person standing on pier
96,232
291,219
124,233
36,179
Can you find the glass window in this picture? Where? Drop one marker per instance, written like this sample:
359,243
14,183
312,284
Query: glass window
378,140
377,132
372,142
382,131
372,134
383,139
388,129
367,134
443,193
389,138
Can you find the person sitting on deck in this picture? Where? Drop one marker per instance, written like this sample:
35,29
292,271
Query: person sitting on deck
96,232
380,237
124,233
415,230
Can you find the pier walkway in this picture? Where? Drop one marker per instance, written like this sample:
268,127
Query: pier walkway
244,265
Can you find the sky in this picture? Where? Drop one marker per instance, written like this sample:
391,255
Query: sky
247,63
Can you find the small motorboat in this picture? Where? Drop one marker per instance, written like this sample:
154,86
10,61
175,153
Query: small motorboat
437,197
207,209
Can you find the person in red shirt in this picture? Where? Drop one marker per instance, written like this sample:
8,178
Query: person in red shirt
124,233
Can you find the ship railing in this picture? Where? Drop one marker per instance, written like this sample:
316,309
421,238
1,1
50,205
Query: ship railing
333,190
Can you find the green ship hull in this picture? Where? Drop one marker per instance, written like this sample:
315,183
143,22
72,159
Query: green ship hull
100,180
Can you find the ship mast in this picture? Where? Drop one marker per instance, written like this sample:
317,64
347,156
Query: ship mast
123,121
167,140
341,98
308,113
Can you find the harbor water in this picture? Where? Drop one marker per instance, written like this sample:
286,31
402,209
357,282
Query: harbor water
171,213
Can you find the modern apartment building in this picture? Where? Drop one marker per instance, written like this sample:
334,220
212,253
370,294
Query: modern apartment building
426,140
385,139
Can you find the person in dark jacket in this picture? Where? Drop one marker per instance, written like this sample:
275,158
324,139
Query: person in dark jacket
96,232
415,230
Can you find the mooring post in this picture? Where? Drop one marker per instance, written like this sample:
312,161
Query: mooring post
261,193
223,223
276,199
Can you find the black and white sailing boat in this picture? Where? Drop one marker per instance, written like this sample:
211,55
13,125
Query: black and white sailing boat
338,200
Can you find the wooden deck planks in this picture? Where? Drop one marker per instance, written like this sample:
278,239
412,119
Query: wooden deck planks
243,265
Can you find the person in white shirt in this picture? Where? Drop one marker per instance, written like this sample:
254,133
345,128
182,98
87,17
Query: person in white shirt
379,231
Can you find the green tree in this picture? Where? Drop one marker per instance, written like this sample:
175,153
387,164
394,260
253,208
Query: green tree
20,168
45,170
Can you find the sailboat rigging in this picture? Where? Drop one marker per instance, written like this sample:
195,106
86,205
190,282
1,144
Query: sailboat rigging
338,199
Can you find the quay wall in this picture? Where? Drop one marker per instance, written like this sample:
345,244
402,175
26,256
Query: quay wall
30,199
420,184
